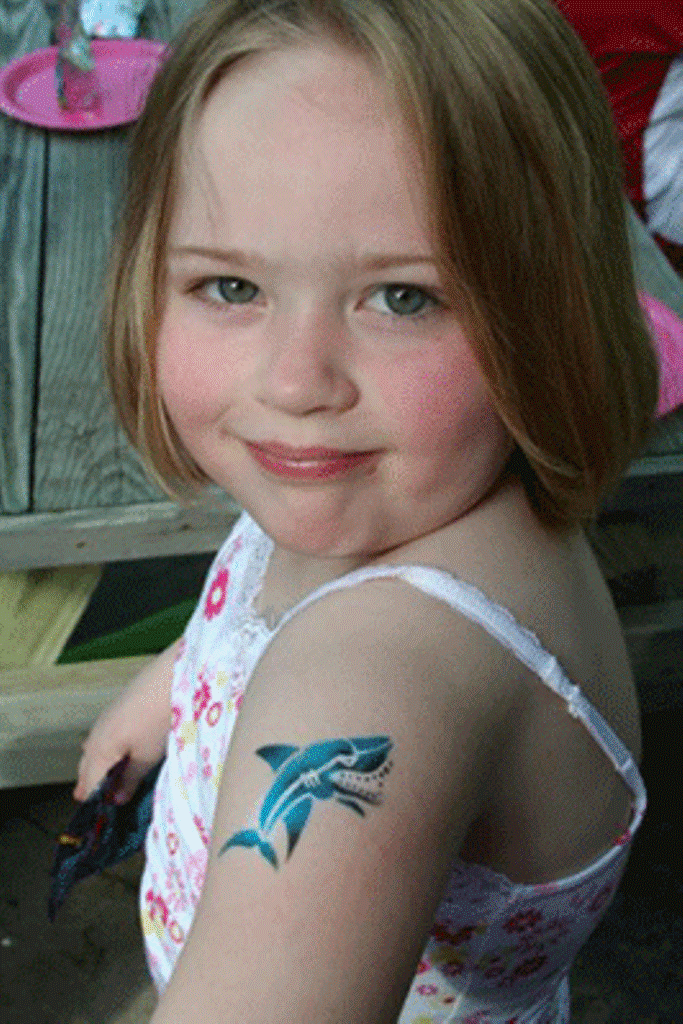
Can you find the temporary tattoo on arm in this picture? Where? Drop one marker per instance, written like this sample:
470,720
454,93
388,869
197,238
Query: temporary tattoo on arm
349,771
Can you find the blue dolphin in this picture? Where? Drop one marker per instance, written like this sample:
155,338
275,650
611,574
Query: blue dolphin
347,770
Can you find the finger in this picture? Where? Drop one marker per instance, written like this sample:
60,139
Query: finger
90,775
80,788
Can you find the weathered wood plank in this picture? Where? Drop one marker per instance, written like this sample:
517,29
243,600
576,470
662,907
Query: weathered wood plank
180,10
46,713
39,611
664,454
81,457
24,27
153,530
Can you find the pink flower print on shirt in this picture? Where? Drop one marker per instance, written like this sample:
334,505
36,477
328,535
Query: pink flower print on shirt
579,898
218,591
600,899
522,922
195,867
201,697
494,967
172,843
176,717
214,713
443,934
238,685
176,898
201,828
185,682
453,970
156,905
233,550
528,967
207,770
427,990
555,930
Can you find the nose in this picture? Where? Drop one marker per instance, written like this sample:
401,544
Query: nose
305,365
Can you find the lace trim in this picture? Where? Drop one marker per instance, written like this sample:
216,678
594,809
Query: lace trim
258,548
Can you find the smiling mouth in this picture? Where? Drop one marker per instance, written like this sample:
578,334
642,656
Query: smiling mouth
307,463
285,453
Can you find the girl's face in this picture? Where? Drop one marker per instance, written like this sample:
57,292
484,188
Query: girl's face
304,310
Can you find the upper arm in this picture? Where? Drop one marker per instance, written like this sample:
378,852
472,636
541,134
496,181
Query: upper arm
334,930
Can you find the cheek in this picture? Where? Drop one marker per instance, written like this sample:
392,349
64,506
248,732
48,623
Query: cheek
188,381
442,399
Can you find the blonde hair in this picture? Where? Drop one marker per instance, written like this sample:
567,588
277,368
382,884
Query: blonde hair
524,184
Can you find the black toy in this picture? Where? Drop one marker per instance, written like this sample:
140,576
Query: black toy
101,833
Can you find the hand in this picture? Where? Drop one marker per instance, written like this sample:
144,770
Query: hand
137,724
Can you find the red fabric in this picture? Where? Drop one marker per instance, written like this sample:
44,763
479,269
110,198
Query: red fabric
632,44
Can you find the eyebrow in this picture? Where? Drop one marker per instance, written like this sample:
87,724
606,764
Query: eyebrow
242,258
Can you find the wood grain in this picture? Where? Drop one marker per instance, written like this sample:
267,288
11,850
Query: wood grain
24,26
39,611
153,530
81,459
46,713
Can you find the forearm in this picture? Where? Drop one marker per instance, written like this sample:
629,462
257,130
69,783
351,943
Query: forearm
151,688
137,724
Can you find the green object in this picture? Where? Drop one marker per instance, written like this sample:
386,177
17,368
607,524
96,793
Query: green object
148,636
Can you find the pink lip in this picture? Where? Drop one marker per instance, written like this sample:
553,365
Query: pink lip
306,463
284,451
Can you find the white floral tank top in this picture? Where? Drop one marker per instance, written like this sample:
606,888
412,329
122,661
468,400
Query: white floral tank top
497,952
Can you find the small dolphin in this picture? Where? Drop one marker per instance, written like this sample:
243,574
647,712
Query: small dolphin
347,771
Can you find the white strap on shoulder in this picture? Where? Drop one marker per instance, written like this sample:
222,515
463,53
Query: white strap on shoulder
499,623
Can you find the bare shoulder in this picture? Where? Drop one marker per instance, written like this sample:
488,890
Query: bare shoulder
404,643
552,585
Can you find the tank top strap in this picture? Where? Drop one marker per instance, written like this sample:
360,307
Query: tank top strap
499,623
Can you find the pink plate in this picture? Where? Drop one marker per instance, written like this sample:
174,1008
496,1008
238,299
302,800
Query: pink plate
125,69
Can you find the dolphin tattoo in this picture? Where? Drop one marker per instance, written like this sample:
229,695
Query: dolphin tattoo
350,771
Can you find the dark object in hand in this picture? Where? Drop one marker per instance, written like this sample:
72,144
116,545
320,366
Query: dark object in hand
101,833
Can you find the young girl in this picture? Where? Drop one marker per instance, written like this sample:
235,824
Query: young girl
373,280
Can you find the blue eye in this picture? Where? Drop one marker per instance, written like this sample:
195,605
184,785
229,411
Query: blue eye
406,300
233,290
